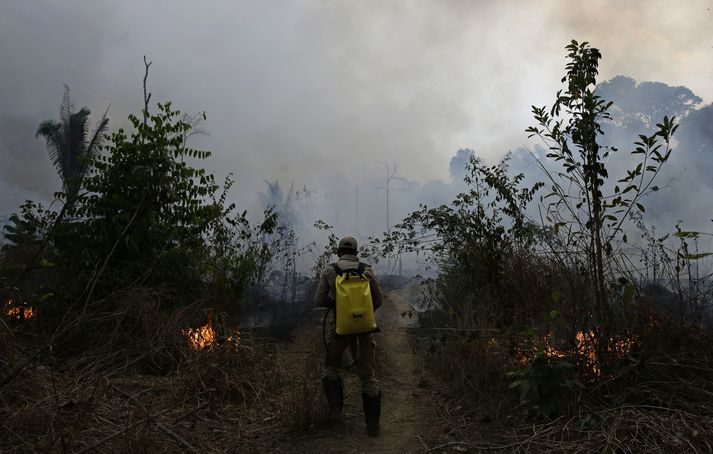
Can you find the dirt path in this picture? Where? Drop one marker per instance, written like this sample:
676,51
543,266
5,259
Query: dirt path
406,408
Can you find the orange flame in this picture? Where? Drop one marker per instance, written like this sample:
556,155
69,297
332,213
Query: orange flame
18,311
205,337
201,337
587,348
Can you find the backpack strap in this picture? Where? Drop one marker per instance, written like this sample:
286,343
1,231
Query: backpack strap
361,268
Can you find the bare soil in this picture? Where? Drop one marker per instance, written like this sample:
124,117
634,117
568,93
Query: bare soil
407,418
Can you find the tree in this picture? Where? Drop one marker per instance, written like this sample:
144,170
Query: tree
638,107
579,208
282,204
146,210
70,143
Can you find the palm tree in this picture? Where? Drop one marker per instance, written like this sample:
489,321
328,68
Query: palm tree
274,197
70,144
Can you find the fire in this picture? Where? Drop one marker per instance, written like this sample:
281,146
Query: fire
586,349
201,337
206,337
19,311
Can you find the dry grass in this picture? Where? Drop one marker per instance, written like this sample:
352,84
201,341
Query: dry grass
205,405
304,406
657,402
139,387
654,397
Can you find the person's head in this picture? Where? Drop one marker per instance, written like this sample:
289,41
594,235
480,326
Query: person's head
347,245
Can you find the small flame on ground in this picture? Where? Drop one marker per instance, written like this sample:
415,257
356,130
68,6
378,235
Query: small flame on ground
205,337
201,337
18,311
587,348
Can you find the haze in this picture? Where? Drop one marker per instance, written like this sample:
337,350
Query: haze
320,93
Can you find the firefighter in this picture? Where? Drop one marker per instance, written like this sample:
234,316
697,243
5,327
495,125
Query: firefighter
362,345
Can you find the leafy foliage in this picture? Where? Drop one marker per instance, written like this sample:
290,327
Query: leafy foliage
587,219
549,382
471,237
148,217
30,226
240,252
473,218
145,210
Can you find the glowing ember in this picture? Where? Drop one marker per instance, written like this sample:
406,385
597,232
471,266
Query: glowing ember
552,352
587,349
205,337
18,311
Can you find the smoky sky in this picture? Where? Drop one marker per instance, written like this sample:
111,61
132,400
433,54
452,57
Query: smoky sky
324,93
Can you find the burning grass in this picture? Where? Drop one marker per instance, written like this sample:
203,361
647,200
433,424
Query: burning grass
207,337
646,389
654,396
151,383
206,405
133,378
582,352
18,311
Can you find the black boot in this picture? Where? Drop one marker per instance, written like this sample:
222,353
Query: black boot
335,396
372,412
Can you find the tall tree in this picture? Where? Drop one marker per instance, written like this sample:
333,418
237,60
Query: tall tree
71,144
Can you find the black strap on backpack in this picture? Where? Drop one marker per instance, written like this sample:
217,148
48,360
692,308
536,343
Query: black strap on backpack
359,271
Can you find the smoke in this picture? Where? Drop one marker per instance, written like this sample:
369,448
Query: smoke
26,171
685,189
321,94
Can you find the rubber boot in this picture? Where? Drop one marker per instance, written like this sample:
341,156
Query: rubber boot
372,413
335,396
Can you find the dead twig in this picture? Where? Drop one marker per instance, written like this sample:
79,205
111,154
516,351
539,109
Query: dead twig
176,437
160,424
22,367
192,412
121,431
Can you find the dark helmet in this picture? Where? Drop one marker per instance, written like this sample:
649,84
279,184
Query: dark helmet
348,244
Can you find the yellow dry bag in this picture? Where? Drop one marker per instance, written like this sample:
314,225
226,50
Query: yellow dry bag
355,309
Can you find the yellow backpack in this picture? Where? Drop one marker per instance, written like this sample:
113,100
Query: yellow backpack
355,309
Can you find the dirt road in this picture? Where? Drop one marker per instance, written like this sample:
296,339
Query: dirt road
407,410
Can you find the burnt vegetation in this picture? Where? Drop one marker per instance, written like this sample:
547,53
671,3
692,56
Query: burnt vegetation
554,318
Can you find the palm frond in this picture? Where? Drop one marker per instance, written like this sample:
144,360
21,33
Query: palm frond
97,138
69,142
65,109
51,131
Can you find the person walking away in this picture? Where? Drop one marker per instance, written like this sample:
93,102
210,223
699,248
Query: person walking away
333,280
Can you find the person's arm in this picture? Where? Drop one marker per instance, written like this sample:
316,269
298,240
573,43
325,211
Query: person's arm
375,289
321,296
